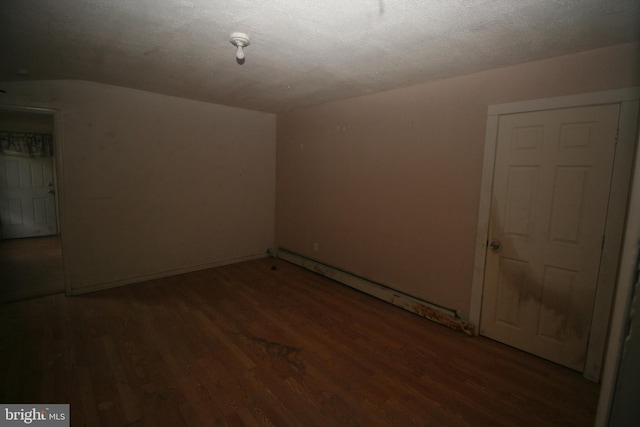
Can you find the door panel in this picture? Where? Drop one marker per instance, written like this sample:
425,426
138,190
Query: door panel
550,196
27,200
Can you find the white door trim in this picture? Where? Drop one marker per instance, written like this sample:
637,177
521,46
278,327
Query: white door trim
579,100
628,100
623,294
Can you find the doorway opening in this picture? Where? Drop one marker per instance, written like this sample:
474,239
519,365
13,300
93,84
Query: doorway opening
30,243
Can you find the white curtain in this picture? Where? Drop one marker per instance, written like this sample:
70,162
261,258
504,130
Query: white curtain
26,144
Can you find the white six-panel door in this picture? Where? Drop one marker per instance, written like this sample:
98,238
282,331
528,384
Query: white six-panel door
27,200
548,213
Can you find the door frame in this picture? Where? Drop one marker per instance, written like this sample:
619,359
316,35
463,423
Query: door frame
58,172
628,99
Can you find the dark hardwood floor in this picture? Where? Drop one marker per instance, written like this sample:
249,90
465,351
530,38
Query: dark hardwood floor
30,268
267,343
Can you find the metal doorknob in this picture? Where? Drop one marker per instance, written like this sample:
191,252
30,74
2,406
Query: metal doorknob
495,245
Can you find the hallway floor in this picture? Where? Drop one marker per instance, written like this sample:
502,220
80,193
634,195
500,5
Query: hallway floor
30,268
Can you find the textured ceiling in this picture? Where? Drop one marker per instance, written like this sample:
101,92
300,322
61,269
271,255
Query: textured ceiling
302,52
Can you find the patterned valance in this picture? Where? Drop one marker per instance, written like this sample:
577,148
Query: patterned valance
26,144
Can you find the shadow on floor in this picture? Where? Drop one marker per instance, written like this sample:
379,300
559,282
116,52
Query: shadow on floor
30,268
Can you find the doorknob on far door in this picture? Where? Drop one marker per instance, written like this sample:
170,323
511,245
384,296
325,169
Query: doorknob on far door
495,245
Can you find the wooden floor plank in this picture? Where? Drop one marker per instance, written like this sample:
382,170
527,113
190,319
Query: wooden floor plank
267,343
30,268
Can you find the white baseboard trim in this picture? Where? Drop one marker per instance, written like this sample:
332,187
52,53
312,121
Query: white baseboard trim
407,302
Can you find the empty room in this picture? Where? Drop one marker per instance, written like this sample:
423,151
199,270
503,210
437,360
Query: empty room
319,213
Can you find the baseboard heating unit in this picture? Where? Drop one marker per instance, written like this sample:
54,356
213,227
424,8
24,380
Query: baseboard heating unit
407,302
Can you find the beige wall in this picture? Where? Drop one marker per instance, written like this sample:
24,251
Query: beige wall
388,185
152,185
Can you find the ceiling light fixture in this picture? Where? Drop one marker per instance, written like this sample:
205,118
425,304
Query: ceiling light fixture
240,40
